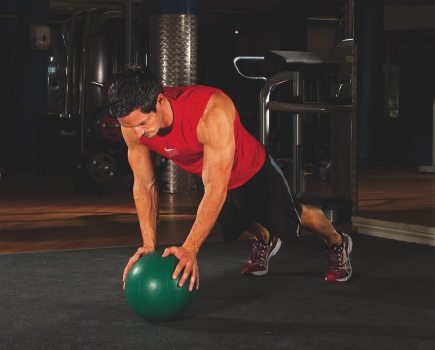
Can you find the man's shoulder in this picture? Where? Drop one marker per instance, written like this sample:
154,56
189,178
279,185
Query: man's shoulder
175,92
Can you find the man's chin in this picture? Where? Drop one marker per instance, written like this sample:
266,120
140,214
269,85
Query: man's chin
148,135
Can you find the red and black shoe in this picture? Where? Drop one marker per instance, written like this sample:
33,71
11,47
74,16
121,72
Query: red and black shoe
339,267
258,263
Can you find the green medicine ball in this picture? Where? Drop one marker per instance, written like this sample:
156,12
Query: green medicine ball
152,293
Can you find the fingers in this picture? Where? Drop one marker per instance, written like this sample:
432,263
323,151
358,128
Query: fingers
187,271
169,251
140,251
126,270
194,280
187,264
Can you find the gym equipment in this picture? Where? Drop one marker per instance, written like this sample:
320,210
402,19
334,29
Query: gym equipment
109,128
102,173
91,47
301,68
102,168
297,64
152,293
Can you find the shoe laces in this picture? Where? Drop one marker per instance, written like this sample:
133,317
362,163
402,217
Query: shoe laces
336,256
259,249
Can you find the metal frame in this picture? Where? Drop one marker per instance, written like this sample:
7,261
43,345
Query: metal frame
296,109
248,58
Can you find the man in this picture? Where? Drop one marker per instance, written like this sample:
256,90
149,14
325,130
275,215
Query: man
198,127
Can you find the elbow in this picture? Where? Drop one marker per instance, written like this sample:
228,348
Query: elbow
218,191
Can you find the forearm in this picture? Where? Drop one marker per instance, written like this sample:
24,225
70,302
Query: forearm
215,132
146,202
207,214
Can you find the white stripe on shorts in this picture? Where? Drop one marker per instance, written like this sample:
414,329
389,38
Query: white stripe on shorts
276,166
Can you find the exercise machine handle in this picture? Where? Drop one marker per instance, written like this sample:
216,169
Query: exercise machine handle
248,58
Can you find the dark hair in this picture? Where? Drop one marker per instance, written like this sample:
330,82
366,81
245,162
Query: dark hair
133,88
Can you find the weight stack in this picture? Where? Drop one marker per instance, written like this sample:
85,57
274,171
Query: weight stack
173,59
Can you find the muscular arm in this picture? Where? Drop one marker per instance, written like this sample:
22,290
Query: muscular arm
216,132
145,193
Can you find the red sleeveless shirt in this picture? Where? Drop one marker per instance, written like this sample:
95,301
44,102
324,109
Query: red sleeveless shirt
181,144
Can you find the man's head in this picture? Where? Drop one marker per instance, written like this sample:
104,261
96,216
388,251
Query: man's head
131,89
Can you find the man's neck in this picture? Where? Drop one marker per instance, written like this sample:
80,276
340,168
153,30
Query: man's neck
167,114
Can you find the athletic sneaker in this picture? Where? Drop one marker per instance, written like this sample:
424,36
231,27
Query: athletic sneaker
258,263
339,268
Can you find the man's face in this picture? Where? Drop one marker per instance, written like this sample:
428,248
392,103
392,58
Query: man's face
143,124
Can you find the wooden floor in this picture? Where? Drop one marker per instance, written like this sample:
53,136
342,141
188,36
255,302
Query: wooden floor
39,214
398,195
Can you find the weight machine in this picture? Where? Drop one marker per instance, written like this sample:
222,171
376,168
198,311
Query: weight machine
302,68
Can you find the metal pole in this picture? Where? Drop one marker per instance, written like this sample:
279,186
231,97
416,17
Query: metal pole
270,84
298,166
128,30
68,36
82,81
264,115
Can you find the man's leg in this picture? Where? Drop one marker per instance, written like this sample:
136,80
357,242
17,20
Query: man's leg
339,244
264,247
257,232
314,219
271,203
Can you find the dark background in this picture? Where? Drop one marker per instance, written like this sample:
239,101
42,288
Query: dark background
29,140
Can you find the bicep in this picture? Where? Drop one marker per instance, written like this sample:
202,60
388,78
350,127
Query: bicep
219,149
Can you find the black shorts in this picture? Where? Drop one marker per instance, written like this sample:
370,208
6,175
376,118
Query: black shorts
265,199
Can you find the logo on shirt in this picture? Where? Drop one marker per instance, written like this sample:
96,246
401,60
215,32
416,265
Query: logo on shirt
171,152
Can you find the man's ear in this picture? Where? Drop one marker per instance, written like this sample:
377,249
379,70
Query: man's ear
160,99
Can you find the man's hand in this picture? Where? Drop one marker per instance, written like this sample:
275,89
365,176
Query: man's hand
140,251
187,262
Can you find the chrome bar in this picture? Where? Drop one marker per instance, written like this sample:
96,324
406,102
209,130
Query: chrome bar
308,108
248,58
68,37
298,163
270,84
96,83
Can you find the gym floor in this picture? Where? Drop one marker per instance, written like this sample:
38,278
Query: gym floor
62,256
44,213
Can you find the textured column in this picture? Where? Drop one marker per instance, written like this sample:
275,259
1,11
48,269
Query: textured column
173,59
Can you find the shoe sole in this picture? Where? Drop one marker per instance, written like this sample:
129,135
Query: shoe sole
349,250
273,252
